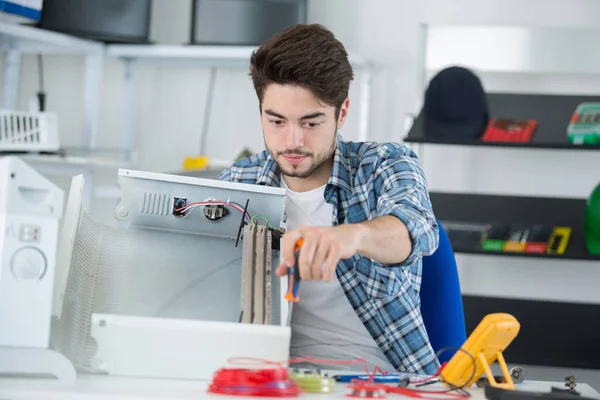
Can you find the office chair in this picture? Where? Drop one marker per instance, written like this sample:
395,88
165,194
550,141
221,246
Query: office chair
441,300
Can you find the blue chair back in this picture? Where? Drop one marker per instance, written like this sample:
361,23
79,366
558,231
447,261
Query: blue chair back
441,299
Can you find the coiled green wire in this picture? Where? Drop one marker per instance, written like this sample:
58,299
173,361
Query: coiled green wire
313,383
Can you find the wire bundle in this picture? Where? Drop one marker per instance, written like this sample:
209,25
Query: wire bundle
274,381
231,204
266,382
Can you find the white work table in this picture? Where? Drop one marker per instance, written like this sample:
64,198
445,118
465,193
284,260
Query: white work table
92,387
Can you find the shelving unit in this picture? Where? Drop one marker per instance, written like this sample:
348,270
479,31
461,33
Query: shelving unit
552,112
212,57
518,50
533,51
16,40
480,209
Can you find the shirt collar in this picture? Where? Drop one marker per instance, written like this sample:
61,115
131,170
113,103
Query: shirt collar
340,174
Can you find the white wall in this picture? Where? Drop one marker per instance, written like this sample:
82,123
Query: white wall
170,103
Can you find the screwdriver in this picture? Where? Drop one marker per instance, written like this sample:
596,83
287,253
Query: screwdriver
294,276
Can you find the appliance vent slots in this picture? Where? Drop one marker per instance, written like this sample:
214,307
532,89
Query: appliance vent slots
156,204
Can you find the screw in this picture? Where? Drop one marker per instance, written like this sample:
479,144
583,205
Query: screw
517,374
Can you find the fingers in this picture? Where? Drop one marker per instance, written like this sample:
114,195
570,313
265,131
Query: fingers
281,270
307,255
319,255
321,252
331,261
288,241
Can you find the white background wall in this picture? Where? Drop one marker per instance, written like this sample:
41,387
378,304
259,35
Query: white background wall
170,102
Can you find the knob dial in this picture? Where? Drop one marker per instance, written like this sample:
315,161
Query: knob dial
28,263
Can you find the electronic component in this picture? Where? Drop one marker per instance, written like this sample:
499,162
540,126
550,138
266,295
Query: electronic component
215,212
509,130
186,270
495,237
584,126
179,204
483,347
366,390
537,242
257,305
516,241
570,384
559,240
517,374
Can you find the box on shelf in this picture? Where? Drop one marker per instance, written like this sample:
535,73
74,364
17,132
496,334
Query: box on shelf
21,10
584,127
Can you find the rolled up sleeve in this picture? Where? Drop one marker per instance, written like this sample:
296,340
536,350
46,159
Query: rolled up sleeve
401,191
226,175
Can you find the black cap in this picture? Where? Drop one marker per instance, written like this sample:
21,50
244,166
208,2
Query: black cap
455,105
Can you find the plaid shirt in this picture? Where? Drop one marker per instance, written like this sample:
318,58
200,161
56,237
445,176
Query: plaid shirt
371,180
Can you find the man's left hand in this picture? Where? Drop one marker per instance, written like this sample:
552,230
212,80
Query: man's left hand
323,248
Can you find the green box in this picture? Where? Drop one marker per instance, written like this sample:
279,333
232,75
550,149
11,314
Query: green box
493,245
584,127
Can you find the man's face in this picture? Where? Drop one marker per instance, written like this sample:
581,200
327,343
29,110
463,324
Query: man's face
299,130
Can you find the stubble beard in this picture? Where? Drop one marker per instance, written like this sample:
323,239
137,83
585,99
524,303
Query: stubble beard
316,162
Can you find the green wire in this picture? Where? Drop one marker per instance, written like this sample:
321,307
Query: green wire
262,217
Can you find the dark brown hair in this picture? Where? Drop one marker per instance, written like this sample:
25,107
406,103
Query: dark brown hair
305,55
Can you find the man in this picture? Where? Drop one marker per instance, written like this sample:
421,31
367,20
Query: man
362,209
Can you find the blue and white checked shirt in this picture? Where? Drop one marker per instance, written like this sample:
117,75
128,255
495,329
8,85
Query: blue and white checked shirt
371,180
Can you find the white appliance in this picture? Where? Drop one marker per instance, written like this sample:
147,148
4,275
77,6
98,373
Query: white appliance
28,132
159,295
30,209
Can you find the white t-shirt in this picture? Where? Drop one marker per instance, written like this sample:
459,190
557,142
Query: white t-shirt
324,325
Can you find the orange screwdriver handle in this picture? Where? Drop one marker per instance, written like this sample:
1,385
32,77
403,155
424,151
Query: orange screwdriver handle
294,276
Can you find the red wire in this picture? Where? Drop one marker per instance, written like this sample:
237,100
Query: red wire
431,377
216,202
269,382
274,381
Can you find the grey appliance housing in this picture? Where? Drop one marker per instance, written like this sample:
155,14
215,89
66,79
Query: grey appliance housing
110,21
243,22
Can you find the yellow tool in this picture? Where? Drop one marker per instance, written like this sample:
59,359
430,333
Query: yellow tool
483,347
559,240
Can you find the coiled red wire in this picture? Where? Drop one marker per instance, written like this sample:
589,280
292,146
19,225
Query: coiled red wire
266,382
274,381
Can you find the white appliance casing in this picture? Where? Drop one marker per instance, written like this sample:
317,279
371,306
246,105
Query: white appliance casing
30,209
158,296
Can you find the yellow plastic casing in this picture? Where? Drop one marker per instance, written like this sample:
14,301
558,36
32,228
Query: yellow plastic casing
486,344
562,235
195,163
